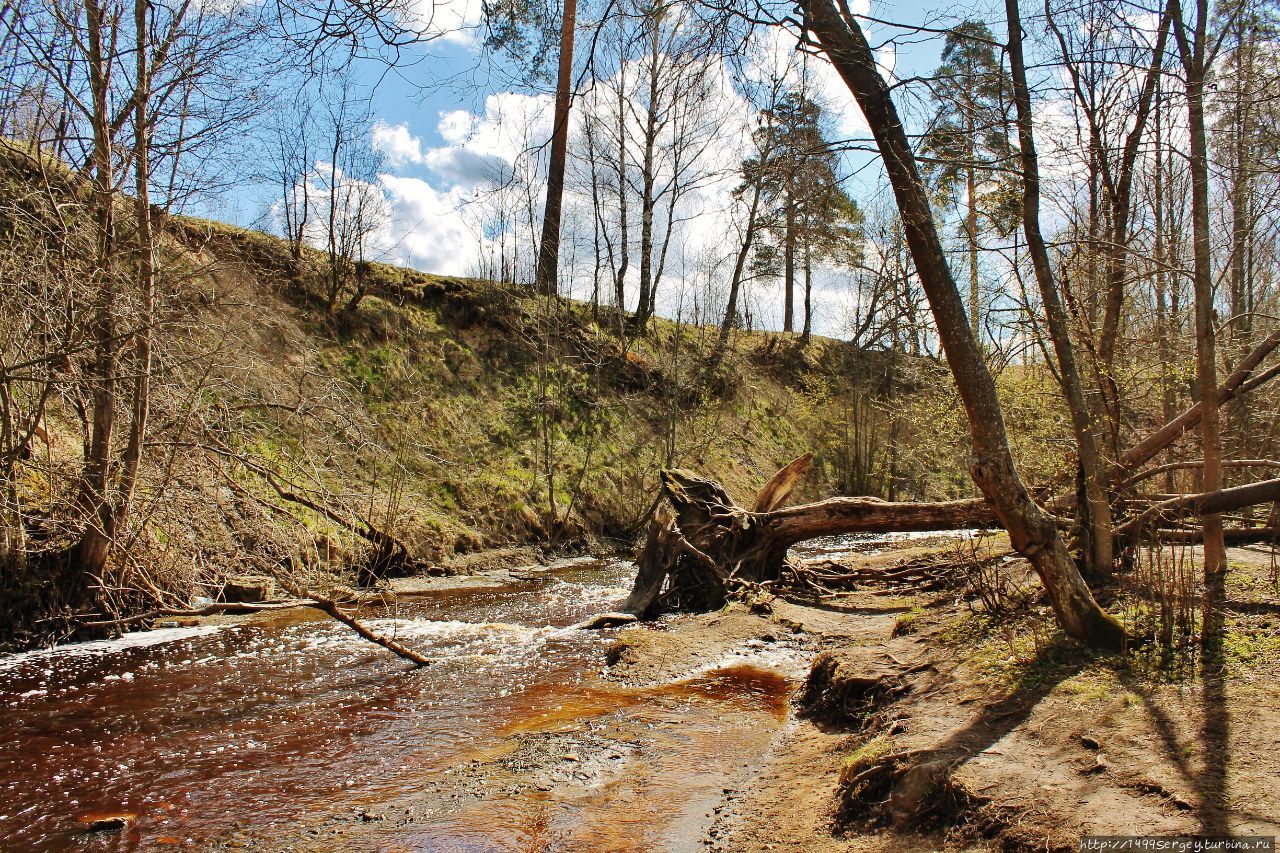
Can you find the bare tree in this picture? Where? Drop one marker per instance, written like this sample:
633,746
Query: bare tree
142,84
353,208
546,279
290,163
1031,530
1197,49
1106,94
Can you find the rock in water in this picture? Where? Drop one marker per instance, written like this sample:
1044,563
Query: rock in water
607,620
248,589
107,822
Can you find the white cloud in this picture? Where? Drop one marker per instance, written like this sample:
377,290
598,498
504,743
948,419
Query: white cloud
460,215
437,222
453,21
455,126
483,149
400,147
776,57
887,60
430,229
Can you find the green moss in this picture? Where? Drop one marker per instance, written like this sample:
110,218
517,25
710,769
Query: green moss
1252,645
867,755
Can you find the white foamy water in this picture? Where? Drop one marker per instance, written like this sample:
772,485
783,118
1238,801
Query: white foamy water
99,648
496,644
569,562
562,592
790,660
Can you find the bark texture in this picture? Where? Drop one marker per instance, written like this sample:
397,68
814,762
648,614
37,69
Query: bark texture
708,546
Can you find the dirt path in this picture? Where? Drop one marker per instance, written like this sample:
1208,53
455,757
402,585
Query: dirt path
787,800
988,737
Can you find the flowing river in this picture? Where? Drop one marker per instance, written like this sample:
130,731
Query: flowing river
288,731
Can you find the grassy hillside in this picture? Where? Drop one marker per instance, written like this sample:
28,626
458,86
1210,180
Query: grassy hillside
497,417
450,415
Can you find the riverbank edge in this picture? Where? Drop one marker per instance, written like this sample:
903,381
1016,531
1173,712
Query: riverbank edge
925,724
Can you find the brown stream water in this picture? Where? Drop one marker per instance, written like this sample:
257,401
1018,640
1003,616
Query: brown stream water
290,732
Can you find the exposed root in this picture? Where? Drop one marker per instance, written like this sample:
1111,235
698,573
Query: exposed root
882,783
908,790
696,556
848,691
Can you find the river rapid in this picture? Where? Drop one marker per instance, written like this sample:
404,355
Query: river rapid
288,731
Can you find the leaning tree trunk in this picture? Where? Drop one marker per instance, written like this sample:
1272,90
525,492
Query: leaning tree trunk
1099,539
1031,530
707,546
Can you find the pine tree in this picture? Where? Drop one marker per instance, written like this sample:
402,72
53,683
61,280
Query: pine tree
968,139
810,217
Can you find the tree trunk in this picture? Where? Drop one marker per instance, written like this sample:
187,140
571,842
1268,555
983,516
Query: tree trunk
96,495
808,288
789,270
735,281
1119,188
1205,505
1031,531
693,559
1163,319
1097,523
971,233
647,181
624,248
132,458
335,249
1241,219
1195,65
545,279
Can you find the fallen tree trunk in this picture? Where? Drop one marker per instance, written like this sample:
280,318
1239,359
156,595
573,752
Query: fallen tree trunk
838,516
1205,503
1230,535
331,607
1231,387
1192,464
710,546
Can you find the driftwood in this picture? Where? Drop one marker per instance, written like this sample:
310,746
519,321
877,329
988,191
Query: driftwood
693,558
1205,503
1192,464
1230,535
331,607
325,605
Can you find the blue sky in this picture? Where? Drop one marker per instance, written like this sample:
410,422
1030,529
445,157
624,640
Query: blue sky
448,75
450,109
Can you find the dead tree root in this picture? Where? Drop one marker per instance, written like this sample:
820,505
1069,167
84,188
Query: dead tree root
849,691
